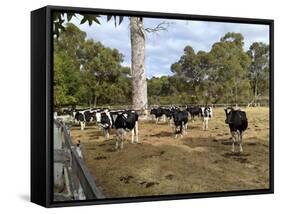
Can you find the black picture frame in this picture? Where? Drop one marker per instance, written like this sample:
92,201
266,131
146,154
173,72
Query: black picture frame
42,114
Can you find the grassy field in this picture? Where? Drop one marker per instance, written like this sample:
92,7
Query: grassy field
201,161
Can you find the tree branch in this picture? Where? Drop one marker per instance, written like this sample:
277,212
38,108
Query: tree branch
163,26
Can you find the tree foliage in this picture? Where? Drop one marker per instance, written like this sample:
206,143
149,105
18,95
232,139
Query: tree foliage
259,68
225,74
88,73
61,18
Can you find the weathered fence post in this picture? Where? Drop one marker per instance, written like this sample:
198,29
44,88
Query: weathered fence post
58,166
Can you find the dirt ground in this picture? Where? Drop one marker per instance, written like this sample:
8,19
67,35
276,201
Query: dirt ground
201,161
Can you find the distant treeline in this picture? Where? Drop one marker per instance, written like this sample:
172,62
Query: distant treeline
88,73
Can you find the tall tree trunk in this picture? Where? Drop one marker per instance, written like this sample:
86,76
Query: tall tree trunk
256,89
137,66
236,91
95,100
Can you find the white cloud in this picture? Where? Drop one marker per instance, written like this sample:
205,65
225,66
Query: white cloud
166,47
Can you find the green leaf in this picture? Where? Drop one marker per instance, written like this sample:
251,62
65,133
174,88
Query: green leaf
83,20
61,21
109,17
96,20
121,19
69,16
115,21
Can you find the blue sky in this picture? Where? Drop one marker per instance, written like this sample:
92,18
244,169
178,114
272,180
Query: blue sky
166,47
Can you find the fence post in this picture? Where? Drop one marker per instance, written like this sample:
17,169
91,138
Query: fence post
58,166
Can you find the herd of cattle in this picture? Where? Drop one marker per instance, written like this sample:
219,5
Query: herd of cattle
127,120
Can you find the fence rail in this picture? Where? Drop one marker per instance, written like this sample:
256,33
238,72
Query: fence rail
79,175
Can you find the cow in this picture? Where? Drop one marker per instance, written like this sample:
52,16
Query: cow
180,121
163,111
206,115
211,112
122,121
104,120
83,116
126,121
157,112
194,111
238,123
80,118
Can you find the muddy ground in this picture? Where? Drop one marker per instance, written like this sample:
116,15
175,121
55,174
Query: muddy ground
201,161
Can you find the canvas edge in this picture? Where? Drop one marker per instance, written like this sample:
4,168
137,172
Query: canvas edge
48,184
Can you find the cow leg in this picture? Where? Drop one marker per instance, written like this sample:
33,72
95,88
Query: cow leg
136,130
233,141
107,134
133,136
205,123
117,138
185,129
240,142
122,138
81,125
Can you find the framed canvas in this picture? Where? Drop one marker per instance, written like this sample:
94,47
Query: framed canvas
130,106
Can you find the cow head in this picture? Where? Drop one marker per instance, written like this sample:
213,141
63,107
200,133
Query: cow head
228,113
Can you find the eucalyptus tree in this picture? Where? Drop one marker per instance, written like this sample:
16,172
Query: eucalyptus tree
259,68
137,37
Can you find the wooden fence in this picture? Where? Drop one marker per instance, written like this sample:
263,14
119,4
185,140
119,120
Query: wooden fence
78,182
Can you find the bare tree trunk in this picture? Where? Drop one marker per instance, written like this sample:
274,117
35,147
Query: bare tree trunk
90,103
95,100
256,89
138,69
236,91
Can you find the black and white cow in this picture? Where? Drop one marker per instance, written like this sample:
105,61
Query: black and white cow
194,111
169,113
157,112
180,121
238,122
80,118
122,121
83,116
126,121
104,120
165,112
206,115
